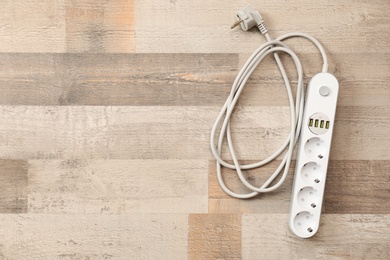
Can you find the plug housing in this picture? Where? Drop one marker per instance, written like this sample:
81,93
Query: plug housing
248,18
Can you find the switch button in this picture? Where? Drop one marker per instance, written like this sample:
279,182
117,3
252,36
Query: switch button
324,91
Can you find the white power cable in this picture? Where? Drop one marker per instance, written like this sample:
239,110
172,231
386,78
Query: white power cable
249,18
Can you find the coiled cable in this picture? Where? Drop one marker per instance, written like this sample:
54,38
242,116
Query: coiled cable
296,113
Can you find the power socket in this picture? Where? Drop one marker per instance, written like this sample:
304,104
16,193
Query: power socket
313,155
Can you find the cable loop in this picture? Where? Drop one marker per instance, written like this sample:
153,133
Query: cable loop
296,113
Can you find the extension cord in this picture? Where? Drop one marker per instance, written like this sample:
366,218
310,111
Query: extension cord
304,221
313,155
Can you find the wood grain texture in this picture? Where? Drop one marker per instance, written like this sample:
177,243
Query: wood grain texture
100,26
204,26
117,186
169,132
32,26
140,132
67,26
343,236
361,187
116,79
13,186
48,236
214,236
198,79
106,109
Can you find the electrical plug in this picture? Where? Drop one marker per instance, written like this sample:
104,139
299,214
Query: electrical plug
248,18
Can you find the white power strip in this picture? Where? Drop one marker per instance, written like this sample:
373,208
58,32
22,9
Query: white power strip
317,124
313,155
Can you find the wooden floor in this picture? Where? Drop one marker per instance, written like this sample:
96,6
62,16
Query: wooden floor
106,109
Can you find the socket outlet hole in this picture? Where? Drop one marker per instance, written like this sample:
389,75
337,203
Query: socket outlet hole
305,224
311,173
308,198
315,148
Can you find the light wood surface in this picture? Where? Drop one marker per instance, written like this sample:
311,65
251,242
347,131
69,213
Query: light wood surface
106,109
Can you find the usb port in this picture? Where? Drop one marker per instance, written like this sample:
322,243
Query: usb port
322,124
311,122
316,123
327,125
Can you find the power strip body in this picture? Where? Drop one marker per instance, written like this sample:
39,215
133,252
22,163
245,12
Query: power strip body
313,155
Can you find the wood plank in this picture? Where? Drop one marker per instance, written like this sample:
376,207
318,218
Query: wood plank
361,187
115,79
204,26
352,187
174,132
13,186
32,26
106,147
117,186
214,236
117,132
198,79
339,237
100,26
68,26
52,236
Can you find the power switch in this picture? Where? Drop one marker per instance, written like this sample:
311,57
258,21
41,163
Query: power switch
324,91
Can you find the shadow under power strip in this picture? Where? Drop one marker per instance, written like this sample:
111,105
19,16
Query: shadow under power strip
312,121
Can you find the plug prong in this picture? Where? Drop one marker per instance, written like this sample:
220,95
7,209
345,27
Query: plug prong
236,24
